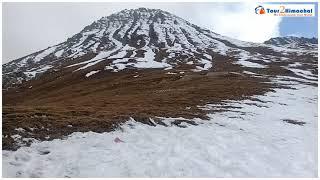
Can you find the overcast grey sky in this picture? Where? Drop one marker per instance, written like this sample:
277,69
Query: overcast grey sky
30,27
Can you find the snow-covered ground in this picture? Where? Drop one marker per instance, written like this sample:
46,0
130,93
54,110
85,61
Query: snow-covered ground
253,140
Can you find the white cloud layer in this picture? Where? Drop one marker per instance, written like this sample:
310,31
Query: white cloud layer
30,27
238,21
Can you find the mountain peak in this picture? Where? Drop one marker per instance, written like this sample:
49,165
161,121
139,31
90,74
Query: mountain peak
143,10
137,13
134,39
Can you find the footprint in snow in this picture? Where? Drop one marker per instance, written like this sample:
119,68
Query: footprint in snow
44,152
117,140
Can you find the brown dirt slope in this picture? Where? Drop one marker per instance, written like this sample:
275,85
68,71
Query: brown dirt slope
60,103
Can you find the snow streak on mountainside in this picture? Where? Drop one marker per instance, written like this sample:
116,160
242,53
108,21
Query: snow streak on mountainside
138,38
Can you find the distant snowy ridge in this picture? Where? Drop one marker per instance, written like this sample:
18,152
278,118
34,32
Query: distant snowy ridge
294,42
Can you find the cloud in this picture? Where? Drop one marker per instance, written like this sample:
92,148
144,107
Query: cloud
237,21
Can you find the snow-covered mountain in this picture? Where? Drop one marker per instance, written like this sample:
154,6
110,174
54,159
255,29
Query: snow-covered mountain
294,42
139,38
144,86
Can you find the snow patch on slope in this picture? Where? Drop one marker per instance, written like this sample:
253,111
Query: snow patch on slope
91,73
45,53
148,61
244,56
32,73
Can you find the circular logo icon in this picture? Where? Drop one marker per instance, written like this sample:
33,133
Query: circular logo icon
260,10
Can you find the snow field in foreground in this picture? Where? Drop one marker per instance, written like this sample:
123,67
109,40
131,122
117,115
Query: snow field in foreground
253,141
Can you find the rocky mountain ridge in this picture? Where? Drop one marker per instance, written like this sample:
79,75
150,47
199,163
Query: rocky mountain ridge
140,39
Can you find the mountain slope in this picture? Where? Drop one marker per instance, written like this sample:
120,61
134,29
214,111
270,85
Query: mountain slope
141,64
130,35
135,39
